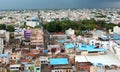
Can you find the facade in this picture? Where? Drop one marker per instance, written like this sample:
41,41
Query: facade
60,65
116,29
5,35
4,58
15,56
36,37
1,46
32,23
18,34
27,34
83,66
70,32
44,60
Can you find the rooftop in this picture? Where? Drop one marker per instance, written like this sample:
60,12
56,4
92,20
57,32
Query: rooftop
58,61
90,48
107,59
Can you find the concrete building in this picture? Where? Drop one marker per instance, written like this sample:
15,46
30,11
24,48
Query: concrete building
15,56
36,37
32,23
60,65
116,29
5,35
1,46
69,32
27,34
18,34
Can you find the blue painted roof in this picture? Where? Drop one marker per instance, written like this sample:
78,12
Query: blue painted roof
99,64
116,37
61,41
4,55
45,51
58,61
69,45
91,48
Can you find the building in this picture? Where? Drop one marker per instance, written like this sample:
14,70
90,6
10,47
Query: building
60,65
116,29
70,48
27,34
1,45
5,35
83,66
37,67
19,34
32,23
36,37
69,32
4,58
44,60
15,56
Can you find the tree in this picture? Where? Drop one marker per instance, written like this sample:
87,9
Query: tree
2,27
10,28
37,27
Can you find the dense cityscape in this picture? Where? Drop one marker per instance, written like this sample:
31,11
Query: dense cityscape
65,40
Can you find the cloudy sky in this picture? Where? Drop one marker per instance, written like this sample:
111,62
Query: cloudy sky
41,4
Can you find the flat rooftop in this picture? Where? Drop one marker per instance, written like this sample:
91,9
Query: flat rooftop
58,61
107,59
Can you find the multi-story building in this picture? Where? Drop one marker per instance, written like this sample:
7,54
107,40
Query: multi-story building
5,35
27,34
36,37
1,46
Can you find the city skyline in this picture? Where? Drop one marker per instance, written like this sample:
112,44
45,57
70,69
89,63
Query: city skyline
56,4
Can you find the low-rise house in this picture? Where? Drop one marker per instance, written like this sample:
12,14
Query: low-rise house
37,67
54,49
90,49
32,22
58,35
19,34
15,67
15,56
44,60
70,48
69,32
4,58
7,50
83,66
60,65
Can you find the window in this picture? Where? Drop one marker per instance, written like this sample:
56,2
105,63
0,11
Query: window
37,68
14,57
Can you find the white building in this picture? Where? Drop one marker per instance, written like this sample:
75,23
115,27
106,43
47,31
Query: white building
69,32
116,29
32,23
44,60
5,35
1,45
